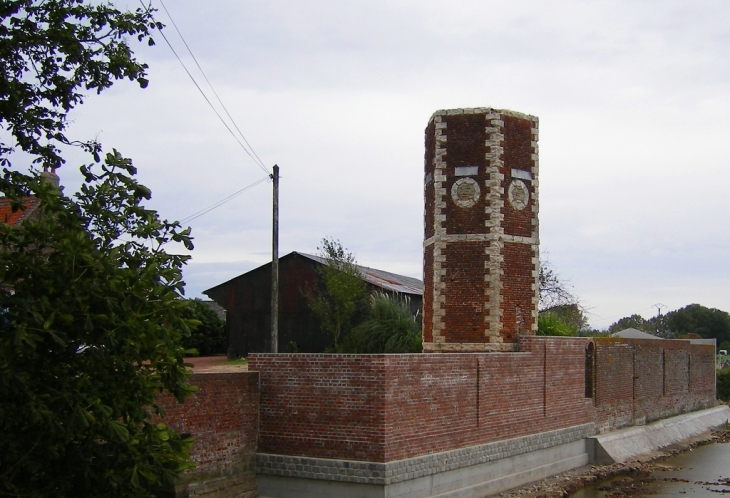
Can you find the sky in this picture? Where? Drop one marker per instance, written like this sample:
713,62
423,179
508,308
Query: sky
633,99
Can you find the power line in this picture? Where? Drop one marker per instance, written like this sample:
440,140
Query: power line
211,85
221,202
258,163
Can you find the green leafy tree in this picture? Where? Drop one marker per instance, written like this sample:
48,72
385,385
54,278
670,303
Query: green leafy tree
341,293
708,323
91,319
51,53
637,322
389,328
91,331
723,384
209,336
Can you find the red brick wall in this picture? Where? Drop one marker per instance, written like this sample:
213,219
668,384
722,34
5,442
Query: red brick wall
644,380
322,405
223,417
465,146
384,408
517,296
388,407
518,155
428,191
465,299
428,283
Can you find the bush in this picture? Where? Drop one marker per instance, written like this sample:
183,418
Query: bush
550,324
209,337
390,328
723,384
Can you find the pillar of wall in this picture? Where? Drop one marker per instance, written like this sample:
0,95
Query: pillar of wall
481,245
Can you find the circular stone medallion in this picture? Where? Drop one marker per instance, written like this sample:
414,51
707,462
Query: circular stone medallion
518,194
465,192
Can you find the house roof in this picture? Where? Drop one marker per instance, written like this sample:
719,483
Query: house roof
383,279
13,218
631,333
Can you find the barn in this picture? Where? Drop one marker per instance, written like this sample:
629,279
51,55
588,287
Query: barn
247,301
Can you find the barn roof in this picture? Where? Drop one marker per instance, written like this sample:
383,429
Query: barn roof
386,280
383,279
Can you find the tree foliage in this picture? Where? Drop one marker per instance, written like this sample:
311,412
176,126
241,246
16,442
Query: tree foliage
551,324
706,323
341,294
91,330
51,52
389,328
635,321
209,336
91,315
723,384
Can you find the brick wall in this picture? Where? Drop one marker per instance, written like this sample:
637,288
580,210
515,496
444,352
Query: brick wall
223,417
641,380
383,408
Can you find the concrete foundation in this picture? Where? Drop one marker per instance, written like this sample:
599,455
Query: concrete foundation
465,473
477,471
625,444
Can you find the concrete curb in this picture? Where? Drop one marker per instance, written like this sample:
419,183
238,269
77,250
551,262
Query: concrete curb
624,444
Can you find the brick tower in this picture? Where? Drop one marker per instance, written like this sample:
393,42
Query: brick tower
481,245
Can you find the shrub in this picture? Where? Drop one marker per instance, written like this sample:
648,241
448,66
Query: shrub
723,384
550,324
209,337
390,328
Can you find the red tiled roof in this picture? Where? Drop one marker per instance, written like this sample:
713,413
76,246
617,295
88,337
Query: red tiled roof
13,218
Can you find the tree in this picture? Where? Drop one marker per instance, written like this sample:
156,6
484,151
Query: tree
91,315
91,330
723,384
389,328
341,293
708,323
553,290
50,53
209,337
637,322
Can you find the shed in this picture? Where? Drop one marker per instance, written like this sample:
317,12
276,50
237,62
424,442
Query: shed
247,301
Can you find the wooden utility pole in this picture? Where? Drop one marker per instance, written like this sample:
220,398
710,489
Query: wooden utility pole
275,266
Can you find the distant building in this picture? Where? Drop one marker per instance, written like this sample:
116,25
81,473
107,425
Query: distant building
247,301
30,205
8,216
631,333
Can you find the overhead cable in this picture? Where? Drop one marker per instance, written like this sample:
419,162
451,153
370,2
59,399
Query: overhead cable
221,202
258,163
211,85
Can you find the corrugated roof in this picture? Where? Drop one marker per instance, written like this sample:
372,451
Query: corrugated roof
383,279
12,218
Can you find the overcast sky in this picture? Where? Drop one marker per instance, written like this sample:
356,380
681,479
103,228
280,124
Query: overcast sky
633,99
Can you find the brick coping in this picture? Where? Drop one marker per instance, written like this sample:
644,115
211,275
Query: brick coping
412,468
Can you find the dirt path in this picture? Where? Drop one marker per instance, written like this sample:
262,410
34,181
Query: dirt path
215,364
636,474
